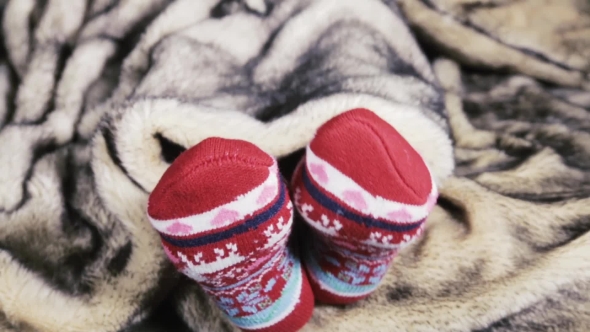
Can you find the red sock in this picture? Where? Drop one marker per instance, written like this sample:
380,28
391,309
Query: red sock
364,192
224,216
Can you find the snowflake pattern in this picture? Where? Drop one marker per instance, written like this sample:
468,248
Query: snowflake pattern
276,232
255,295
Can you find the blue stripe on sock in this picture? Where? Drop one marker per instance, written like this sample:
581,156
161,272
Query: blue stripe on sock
246,226
335,207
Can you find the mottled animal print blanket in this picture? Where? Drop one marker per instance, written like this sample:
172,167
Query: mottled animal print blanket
97,98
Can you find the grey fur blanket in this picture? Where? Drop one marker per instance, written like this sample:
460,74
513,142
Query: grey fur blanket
97,98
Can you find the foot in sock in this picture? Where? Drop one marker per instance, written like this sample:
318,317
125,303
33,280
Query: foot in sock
364,193
224,217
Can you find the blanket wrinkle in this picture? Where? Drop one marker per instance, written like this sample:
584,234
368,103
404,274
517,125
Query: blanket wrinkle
97,99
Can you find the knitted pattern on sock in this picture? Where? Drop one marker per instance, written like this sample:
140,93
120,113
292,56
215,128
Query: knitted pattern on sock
364,193
224,217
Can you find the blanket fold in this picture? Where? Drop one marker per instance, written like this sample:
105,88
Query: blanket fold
547,40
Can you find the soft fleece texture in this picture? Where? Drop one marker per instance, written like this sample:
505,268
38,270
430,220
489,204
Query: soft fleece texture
98,97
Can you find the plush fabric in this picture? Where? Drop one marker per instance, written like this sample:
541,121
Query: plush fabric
99,97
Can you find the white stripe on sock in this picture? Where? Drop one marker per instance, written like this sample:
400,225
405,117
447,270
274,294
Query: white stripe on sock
238,209
378,207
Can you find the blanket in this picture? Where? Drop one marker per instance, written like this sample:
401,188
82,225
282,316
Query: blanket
98,97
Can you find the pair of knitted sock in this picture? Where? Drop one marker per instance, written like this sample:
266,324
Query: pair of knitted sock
225,217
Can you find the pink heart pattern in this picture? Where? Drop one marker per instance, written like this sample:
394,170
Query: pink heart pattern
266,194
355,198
400,215
320,172
224,217
179,228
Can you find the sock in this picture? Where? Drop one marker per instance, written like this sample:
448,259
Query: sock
224,216
364,192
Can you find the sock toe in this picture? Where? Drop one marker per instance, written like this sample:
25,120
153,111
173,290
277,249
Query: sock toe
369,151
191,184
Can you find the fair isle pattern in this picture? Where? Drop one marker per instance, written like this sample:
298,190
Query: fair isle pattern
350,252
224,215
355,231
346,264
225,252
263,296
242,262
328,215
254,279
253,308
354,277
359,199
